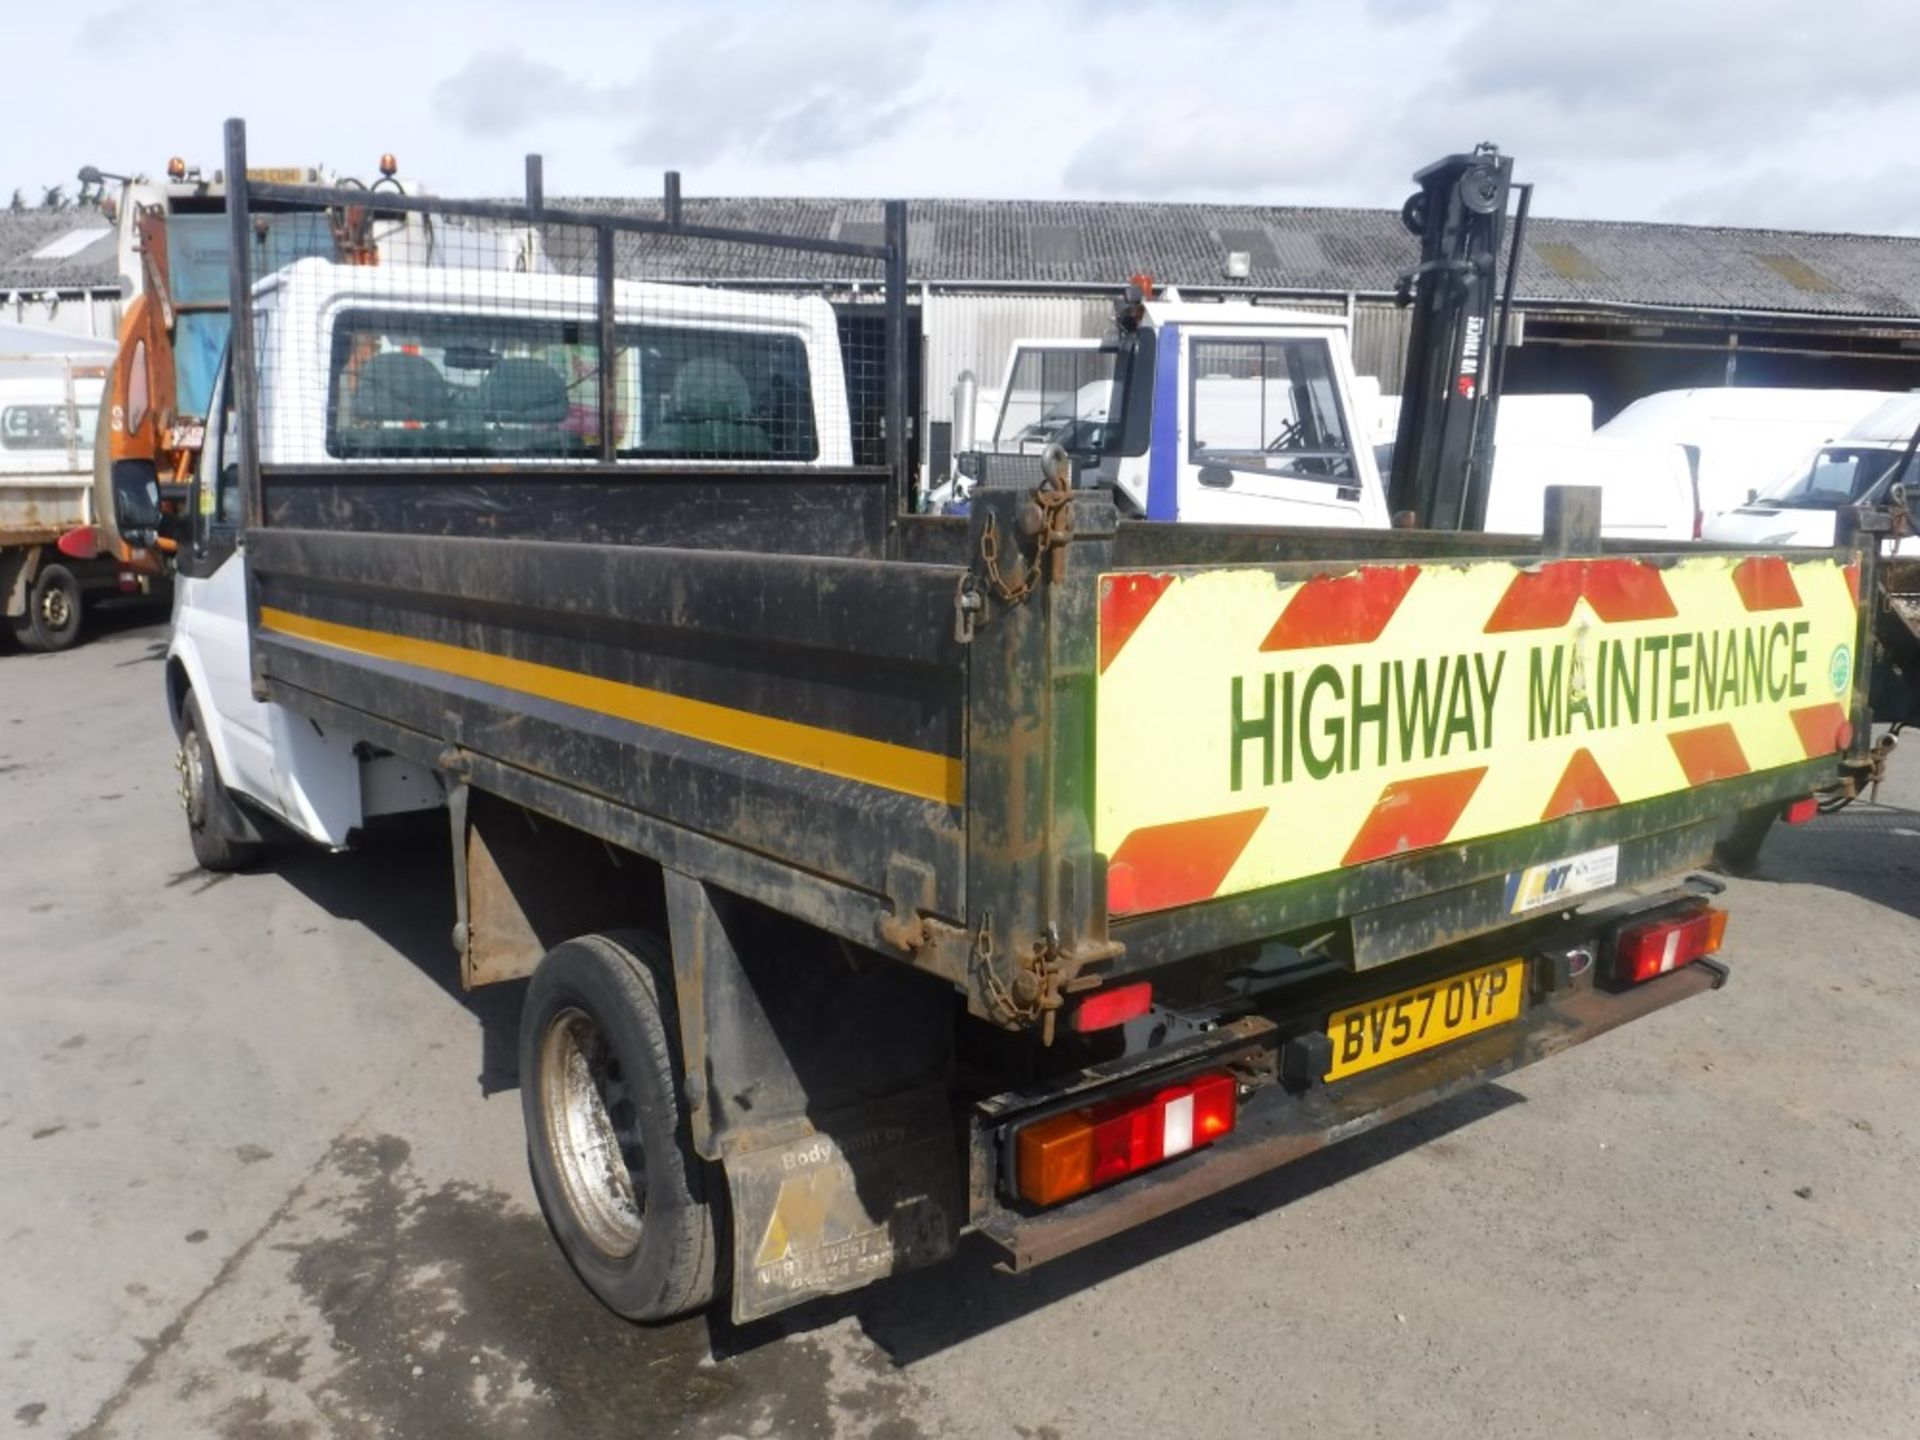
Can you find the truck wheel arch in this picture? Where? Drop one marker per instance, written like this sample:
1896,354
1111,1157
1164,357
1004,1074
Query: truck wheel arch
178,686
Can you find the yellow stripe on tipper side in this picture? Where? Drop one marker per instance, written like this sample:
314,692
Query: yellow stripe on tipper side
1254,729
920,773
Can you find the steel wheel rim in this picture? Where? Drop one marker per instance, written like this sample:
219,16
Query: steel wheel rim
593,1132
191,764
56,609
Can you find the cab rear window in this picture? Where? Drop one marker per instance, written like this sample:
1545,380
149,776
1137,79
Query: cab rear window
475,386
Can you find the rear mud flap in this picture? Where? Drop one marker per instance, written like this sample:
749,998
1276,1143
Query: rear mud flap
873,1191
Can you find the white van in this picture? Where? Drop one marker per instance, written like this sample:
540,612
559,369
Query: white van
1646,487
1800,507
1739,438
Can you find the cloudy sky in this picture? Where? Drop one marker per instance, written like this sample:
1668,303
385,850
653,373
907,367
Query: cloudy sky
1770,112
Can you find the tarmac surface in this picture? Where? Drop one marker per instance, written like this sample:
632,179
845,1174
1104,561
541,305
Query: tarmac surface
262,1175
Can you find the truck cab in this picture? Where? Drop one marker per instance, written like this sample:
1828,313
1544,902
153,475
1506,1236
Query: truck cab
1196,411
1243,414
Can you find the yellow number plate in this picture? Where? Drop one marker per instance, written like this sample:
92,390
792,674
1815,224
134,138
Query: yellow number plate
1381,1031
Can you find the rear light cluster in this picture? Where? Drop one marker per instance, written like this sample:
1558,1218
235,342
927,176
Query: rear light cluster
1659,946
1801,810
1069,1154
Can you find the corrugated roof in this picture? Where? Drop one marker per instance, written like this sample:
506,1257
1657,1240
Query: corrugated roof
1302,249
47,250
1570,262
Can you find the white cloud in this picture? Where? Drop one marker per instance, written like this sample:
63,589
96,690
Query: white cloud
1688,109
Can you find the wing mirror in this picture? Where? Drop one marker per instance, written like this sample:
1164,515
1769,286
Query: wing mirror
1217,477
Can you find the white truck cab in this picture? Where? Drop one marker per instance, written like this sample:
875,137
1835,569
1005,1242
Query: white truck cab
1227,412
399,365
1235,413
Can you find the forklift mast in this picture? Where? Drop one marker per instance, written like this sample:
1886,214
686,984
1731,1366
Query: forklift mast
1443,453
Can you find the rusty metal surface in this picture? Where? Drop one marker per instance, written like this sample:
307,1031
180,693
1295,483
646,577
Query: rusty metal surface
532,882
500,943
1276,1127
39,509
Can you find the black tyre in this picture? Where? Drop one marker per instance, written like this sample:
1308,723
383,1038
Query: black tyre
52,617
607,1134
209,805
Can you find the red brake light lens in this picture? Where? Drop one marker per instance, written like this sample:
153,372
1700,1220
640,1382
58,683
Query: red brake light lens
1104,1009
1661,946
1802,810
1066,1155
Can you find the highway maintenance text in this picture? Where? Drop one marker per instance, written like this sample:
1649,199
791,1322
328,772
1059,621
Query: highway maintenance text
1329,719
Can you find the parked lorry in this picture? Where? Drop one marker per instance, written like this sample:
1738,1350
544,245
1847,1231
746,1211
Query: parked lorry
173,244
885,877
49,408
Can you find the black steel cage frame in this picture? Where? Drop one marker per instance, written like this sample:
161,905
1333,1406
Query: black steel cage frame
246,195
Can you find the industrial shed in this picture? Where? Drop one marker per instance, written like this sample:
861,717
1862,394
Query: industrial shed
59,270
1610,309
1614,310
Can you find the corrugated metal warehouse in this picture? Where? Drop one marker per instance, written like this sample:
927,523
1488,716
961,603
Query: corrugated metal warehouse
1612,310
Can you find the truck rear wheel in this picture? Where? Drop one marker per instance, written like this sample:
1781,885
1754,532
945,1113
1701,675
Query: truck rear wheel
51,620
207,800
607,1134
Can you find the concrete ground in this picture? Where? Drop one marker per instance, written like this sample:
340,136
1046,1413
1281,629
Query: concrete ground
261,1174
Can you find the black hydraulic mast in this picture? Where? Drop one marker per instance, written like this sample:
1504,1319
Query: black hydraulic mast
1444,449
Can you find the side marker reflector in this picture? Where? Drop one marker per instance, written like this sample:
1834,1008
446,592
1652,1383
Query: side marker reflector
1104,1009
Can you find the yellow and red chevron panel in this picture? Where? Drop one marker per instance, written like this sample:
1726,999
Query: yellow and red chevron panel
1254,730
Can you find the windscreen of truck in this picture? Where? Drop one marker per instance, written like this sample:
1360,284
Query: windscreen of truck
1840,475
197,253
1088,400
1269,405
439,386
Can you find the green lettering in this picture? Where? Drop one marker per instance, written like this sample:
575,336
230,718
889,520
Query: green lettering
1324,677
1656,645
1706,673
1259,728
1365,714
1678,673
1625,682
1754,652
1286,728
1776,637
1730,671
1459,707
1489,686
1543,694
1796,684
1419,709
